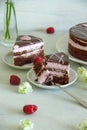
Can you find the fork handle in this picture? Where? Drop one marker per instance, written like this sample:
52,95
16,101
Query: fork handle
79,100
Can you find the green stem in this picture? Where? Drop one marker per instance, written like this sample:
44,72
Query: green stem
14,12
7,35
9,8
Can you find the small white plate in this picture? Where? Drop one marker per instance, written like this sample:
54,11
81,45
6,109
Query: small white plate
62,46
8,59
31,78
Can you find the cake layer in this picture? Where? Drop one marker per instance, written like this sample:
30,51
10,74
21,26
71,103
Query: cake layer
53,77
28,48
56,66
77,45
77,53
27,54
22,60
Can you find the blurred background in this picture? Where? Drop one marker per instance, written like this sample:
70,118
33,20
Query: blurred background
39,14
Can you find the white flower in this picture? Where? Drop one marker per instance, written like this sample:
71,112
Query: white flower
26,124
24,88
83,125
82,72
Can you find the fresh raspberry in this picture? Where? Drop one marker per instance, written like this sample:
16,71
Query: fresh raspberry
29,109
38,59
50,30
14,80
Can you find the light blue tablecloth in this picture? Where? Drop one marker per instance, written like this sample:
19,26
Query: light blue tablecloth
56,110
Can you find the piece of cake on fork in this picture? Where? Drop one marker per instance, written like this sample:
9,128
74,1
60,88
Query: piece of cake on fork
26,49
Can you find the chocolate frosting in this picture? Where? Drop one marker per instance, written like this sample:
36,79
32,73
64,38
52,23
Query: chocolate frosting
79,31
33,40
60,57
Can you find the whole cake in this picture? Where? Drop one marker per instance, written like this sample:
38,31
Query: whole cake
77,44
54,69
26,48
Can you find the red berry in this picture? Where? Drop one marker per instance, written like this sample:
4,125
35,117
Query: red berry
50,30
14,80
29,109
38,59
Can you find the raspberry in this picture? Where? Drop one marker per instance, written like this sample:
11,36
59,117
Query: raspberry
29,109
38,59
14,80
50,30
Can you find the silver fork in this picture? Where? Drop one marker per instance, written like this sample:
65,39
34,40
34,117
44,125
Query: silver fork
79,100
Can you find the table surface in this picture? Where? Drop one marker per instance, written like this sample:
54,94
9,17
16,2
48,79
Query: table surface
56,110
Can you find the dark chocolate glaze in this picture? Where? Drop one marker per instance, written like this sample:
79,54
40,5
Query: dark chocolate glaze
79,31
33,40
59,57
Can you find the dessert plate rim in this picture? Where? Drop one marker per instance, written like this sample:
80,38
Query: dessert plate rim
31,78
62,46
8,60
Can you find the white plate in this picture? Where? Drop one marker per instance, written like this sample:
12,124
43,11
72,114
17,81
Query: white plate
31,78
62,46
8,59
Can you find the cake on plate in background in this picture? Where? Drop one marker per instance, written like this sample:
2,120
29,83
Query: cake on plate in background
77,44
26,48
52,70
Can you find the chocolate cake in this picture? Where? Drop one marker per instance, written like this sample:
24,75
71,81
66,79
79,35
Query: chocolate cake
77,44
26,49
52,70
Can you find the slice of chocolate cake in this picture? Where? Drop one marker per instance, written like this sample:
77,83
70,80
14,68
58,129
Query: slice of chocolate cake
26,49
55,69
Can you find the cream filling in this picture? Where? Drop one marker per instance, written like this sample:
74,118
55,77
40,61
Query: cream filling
28,54
30,47
55,66
43,76
57,74
74,44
